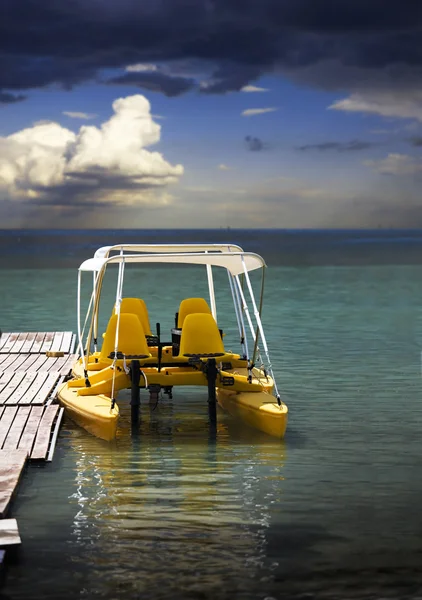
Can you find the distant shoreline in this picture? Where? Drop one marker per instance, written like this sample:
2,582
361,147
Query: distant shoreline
287,231
58,248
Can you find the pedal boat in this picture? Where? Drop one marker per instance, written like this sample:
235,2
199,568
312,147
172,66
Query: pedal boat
132,357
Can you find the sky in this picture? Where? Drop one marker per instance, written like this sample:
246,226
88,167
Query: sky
210,113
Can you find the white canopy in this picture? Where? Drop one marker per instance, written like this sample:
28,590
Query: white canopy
166,248
232,261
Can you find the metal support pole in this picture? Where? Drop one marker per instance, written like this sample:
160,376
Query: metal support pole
212,397
135,398
211,290
212,378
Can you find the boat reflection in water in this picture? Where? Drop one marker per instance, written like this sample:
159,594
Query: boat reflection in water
178,509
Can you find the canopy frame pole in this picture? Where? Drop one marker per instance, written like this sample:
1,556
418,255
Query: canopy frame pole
245,310
78,310
119,292
256,350
211,290
261,330
245,306
91,303
237,310
100,278
242,320
94,283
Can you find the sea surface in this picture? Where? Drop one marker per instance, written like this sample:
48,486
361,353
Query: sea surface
332,511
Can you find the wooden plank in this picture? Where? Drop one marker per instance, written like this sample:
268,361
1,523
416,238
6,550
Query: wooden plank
9,533
28,436
53,395
49,366
37,381
15,432
66,342
44,432
57,341
26,365
11,339
39,362
21,389
4,380
72,344
68,364
14,364
50,363
3,357
30,338
16,348
58,363
6,422
55,434
38,342
3,339
13,383
11,342
45,390
20,359
11,468
48,340
7,365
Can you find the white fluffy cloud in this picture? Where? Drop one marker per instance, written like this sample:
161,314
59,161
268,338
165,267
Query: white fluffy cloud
141,68
251,112
78,115
395,164
253,88
398,104
110,160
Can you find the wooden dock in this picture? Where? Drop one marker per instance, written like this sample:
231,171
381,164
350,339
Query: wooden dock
32,367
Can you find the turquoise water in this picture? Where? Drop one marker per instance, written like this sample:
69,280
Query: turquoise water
333,510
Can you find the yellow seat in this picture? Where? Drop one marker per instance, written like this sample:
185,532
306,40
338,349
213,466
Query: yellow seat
189,306
201,337
131,342
138,307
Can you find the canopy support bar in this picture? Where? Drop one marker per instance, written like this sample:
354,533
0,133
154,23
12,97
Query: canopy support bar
261,330
237,310
240,309
211,291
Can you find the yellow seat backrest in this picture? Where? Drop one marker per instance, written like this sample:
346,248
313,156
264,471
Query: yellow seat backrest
138,307
189,306
131,340
200,336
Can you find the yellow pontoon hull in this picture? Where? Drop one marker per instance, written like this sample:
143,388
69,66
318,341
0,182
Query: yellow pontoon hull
93,413
259,410
252,402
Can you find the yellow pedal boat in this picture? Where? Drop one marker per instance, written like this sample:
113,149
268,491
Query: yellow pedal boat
132,357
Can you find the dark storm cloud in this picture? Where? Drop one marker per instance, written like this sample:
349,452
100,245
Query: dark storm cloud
156,82
56,42
88,188
6,98
416,141
254,144
230,77
352,146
